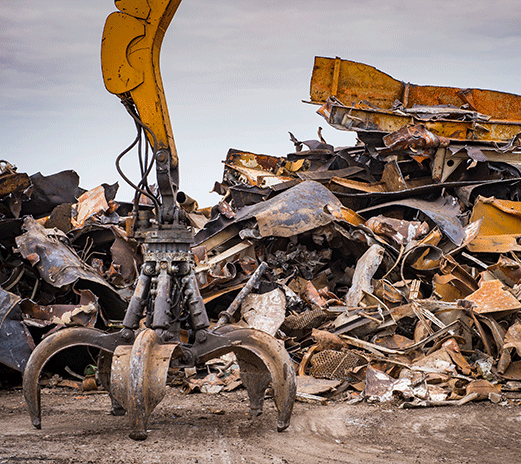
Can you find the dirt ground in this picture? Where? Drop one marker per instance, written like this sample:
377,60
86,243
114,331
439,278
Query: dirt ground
201,428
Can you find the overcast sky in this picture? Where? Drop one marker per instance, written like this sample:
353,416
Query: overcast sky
234,72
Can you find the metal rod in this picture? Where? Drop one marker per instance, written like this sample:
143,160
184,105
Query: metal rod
226,316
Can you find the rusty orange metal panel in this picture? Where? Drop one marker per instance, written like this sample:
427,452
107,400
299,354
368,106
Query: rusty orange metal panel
346,214
449,288
499,105
492,296
250,160
500,231
495,243
359,82
356,82
499,216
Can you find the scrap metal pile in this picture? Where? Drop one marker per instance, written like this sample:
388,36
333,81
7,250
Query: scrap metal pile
393,266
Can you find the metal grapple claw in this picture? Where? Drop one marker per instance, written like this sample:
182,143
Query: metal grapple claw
261,359
139,371
138,377
53,344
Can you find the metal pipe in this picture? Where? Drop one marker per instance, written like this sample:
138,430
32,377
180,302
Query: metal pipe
226,316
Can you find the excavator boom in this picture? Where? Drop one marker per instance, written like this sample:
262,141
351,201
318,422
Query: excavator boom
130,50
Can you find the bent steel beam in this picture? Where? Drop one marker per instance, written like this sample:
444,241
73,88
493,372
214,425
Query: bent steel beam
358,97
355,83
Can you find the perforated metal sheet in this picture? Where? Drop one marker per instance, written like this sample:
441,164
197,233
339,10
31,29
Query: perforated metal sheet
330,364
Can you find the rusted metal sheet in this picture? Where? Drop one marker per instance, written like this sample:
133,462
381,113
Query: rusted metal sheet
16,343
329,174
498,215
82,314
294,211
89,205
260,170
51,191
500,231
391,180
363,195
449,288
495,243
266,311
360,186
14,189
43,248
513,372
448,265
346,215
483,389
425,257
59,265
250,160
492,297
355,83
310,295
400,231
10,180
513,337
257,177
365,269
413,137
444,212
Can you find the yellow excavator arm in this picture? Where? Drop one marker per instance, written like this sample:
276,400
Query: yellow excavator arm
130,50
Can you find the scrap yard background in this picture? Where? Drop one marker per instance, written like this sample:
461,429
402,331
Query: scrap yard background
392,266
390,231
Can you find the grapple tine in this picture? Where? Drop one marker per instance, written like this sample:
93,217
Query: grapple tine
261,359
138,378
53,344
